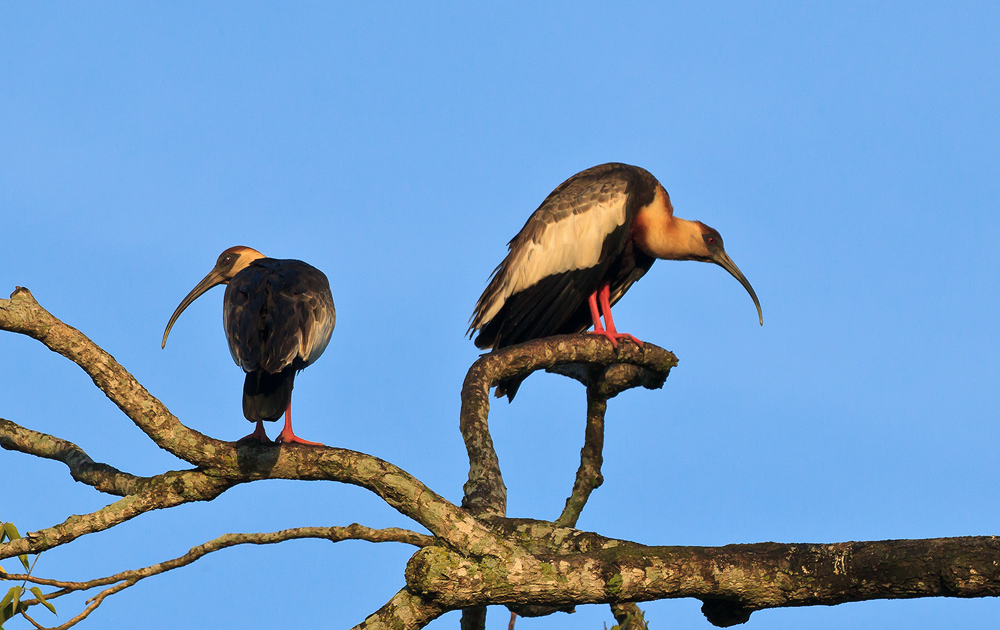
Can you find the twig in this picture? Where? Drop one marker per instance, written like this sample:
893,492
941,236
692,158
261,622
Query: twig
131,577
162,491
108,479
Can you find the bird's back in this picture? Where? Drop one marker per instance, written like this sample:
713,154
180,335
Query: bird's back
278,314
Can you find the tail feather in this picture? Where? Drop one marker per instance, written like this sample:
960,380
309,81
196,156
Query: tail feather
509,388
266,395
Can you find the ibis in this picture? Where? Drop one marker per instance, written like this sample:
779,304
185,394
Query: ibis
278,316
591,239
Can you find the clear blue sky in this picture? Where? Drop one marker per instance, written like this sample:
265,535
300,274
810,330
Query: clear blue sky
849,153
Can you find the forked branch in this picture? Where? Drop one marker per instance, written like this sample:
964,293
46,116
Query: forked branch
476,556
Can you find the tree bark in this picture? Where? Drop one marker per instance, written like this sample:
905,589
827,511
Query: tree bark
475,556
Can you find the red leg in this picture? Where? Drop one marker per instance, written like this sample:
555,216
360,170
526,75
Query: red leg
258,434
594,314
286,436
604,295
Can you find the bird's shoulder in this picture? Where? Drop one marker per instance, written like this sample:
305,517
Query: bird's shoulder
598,196
285,273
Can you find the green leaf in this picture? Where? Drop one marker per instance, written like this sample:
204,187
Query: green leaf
8,605
11,531
38,593
13,534
9,597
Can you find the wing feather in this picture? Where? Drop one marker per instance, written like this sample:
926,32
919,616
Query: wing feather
569,231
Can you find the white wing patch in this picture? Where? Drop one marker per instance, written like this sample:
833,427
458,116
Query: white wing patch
572,242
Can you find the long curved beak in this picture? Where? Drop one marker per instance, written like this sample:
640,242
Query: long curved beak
723,260
212,279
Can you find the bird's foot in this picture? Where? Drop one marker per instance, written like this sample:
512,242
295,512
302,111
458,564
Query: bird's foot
287,437
258,434
614,337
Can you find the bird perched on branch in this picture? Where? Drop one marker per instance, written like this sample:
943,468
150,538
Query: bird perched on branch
278,316
591,239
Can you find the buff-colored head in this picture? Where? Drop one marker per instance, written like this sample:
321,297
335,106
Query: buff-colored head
230,262
658,233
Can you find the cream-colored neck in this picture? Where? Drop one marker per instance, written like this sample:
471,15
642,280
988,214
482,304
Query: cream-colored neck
657,232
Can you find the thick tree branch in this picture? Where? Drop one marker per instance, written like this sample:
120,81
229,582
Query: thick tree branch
485,492
621,368
605,370
229,463
405,611
732,581
478,557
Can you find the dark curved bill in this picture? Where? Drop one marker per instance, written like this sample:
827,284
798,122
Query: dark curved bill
212,279
723,260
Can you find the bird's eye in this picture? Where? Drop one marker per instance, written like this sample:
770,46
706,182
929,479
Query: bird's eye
711,240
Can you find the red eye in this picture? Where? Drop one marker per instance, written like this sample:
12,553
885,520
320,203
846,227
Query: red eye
711,240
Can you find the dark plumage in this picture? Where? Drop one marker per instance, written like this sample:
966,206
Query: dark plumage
278,316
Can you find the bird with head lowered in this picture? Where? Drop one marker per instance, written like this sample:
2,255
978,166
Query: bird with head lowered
591,239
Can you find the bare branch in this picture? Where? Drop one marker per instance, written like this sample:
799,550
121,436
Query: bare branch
14,437
732,581
333,534
477,557
126,579
604,370
625,366
485,491
229,463
588,476
22,314
92,605
162,491
248,462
